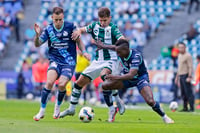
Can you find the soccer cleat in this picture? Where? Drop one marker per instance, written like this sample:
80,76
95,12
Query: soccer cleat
167,120
121,107
38,116
67,112
112,115
56,113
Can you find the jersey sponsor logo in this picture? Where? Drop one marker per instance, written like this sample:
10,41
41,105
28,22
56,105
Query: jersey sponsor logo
66,38
60,45
135,61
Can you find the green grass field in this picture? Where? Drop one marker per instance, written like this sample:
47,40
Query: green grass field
16,117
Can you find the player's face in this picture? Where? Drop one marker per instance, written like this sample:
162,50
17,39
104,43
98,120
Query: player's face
122,52
181,48
105,21
58,20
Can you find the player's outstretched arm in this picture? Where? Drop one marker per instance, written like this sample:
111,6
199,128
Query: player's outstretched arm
38,32
81,46
100,45
127,76
77,33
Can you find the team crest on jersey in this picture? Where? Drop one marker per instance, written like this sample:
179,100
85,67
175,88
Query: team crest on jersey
107,32
65,33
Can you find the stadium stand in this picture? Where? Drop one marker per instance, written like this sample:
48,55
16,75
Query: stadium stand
193,47
10,13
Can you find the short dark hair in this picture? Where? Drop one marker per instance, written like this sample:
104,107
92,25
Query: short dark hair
122,42
104,12
198,57
58,10
182,43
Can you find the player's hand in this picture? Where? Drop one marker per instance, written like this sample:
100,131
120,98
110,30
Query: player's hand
188,79
99,45
87,56
37,29
76,35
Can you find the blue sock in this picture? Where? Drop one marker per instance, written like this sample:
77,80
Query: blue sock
60,97
157,109
108,97
45,93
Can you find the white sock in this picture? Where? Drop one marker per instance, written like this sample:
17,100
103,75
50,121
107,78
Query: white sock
117,98
56,105
72,106
111,108
42,110
164,116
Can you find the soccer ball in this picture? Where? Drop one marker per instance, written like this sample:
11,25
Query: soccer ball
29,96
86,114
173,106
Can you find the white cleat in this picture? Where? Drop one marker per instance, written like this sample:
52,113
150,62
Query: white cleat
112,115
167,120
67,112
121,107
56,113
39,116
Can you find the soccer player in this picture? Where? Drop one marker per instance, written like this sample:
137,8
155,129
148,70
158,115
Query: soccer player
104,63
62,56
134,74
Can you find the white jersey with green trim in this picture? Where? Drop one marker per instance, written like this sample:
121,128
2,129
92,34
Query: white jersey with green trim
108,35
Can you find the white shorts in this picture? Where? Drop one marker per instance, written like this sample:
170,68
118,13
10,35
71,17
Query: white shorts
94,69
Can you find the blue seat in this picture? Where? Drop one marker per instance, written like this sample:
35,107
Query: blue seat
176,5
169,11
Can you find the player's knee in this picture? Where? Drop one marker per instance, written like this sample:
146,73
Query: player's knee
105,86
62,86
49,85
82,81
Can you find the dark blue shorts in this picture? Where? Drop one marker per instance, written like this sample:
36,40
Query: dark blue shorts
65,70
140,82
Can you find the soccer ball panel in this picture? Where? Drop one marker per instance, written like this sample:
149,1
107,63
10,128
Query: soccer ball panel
86,114
173,106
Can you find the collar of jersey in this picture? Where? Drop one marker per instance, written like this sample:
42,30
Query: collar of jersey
58,30
128,56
